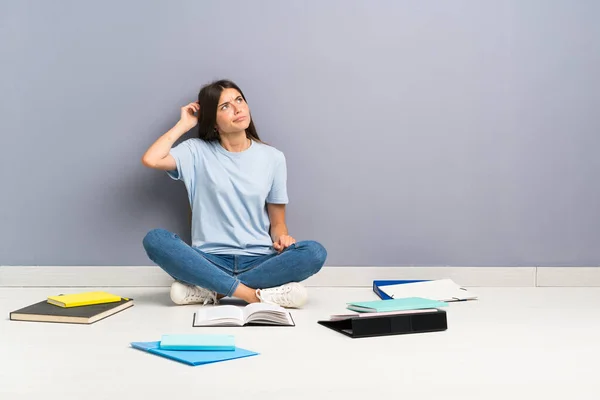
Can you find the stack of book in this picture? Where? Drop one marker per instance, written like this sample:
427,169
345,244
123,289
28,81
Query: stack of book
409,306
390,317
76,308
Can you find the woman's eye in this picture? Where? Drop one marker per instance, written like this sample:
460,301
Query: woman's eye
224,107
239,99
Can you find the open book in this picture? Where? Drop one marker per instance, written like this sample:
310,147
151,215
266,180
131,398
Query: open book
252,314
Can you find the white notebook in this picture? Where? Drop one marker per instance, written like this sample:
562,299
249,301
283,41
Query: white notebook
442,290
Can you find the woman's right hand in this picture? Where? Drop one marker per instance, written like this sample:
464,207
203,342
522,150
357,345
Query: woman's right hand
188,117
158,154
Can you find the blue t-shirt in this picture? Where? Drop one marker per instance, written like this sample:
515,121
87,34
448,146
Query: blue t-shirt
228,192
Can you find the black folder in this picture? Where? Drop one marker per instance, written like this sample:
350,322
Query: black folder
383,325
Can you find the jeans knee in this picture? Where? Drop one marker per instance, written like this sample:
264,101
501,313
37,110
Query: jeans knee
317,253
153,239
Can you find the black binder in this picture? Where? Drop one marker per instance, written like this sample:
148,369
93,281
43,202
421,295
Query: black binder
383,325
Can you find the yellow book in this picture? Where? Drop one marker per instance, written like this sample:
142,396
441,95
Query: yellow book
83,299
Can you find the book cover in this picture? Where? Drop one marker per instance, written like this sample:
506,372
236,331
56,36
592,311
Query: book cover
46,312
83,299
408,303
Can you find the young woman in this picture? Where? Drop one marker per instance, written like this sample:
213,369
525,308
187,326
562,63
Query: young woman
236,187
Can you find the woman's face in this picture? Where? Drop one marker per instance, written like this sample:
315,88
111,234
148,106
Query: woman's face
233,114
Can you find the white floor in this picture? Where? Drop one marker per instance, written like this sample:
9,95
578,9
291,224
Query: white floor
518,342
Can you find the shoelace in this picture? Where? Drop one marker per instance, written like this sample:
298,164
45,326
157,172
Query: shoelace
195,293
277,296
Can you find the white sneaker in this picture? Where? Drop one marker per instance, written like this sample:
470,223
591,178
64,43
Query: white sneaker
290,295
182,293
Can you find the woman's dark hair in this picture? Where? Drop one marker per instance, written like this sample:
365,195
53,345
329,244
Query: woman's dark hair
208,98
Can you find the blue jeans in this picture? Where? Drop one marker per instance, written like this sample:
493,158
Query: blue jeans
223,273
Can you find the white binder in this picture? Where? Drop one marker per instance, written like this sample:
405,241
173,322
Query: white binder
442,290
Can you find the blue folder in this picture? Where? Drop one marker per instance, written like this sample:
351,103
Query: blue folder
379,283
193,357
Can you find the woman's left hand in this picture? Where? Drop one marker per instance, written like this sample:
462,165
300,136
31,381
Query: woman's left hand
283,242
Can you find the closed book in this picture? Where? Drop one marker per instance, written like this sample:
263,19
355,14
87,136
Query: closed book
408,303
46,312
204,342
83,299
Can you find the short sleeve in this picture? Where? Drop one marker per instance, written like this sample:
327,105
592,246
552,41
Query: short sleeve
184,156
278,193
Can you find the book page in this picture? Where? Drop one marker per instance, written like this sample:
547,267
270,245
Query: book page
267,314
219,314
256,307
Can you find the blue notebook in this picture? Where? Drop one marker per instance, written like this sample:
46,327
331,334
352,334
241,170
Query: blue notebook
193,357
198,342
408,303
